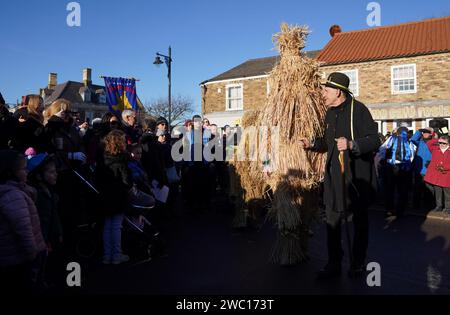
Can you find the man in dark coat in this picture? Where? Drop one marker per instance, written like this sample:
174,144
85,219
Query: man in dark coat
129,126
349,129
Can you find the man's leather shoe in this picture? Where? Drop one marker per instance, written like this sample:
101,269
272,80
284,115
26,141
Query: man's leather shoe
330,271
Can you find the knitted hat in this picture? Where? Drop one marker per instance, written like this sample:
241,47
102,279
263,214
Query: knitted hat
36,161
30,152
162,120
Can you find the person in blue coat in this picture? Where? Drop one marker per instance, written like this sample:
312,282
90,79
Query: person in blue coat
422,192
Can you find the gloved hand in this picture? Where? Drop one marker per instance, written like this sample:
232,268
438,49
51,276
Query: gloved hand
79,156
440,169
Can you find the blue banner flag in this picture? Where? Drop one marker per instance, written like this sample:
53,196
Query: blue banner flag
121,94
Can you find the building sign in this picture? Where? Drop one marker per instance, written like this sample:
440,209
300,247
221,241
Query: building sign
410,112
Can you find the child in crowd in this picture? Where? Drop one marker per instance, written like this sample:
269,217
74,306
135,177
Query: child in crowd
114,183
142,193
139,176
22,246
43,176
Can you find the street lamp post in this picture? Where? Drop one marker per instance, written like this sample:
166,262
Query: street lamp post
168,62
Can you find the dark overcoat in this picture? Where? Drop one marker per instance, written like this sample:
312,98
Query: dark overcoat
360,179
113,179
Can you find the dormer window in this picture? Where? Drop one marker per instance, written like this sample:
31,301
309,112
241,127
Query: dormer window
101,96
85,94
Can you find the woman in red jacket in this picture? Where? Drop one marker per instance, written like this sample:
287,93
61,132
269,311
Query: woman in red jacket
438,172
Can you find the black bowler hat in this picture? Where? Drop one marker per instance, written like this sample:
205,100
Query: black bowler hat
337,80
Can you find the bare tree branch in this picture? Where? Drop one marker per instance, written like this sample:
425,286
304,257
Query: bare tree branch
182,108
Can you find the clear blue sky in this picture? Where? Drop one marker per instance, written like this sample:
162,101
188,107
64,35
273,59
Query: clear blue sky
208,37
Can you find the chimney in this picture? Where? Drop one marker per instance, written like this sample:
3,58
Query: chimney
87,76
52,81
334,30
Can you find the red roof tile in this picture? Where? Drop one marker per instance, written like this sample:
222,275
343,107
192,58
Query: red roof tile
402,40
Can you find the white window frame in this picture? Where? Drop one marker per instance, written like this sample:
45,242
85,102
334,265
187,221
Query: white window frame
227,87
346,72
380,125
384,127
415,79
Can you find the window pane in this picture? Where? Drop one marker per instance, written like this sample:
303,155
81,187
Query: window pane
232,92
403,72
410,72
234,97
239,92
404,85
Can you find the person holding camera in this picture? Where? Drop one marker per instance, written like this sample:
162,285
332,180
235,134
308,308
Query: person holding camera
438,173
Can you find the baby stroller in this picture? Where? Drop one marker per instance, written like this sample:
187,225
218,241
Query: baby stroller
140,238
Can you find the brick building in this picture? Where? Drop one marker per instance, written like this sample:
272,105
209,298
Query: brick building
226,96
88,99
401,72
